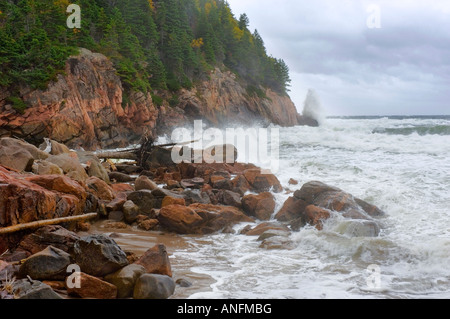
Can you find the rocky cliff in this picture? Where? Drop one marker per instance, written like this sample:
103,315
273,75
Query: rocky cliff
84,107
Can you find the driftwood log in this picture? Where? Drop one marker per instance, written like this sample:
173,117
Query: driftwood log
40,223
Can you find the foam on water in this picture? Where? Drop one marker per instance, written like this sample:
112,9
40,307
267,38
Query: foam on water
408,176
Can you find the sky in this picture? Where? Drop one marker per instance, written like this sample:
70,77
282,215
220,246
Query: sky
381,57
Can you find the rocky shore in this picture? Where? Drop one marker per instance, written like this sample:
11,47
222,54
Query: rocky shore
61,261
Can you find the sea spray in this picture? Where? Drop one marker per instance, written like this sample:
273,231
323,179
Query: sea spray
313,108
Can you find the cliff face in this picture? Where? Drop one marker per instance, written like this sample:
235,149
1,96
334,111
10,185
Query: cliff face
84,107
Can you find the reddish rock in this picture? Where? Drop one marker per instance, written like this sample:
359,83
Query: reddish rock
148,224
293,182
99,188
23,201
292,209
262,228
262,182
315,216
169,200
93,288
143,182
180,219
261,206
53,235
156,261
121,188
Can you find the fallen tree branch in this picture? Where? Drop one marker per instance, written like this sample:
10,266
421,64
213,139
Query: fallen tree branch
40,223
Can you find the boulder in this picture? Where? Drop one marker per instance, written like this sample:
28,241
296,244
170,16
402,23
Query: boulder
145,200
265,227
23,201
316,215
179,219
156,261
53,235
93,288
143,182
262,182
17,158
122,188
99,255
117,203
130,211
33,150
118,177
169,200
229,198
125,279
49,264
359,228
99,188
261,206
151,286
240,185
97,170
292,209
43,167
70,165
216,217
148,224
196,196
33,289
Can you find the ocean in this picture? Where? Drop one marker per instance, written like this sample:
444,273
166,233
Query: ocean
400,164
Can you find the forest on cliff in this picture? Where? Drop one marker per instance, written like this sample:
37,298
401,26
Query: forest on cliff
154,44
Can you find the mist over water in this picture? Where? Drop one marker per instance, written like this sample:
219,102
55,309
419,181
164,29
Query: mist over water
312,107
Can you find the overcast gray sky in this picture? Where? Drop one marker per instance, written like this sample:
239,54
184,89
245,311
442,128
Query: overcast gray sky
360,62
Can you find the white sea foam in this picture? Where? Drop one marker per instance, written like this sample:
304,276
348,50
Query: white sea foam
408,176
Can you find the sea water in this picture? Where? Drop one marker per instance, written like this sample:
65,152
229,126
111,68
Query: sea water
400,164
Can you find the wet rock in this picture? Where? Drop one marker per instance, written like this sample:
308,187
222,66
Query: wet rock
97,170
261,206
183,283
143,182
117,203
179,219
273,233
160,157
49,264
130,211
118,177
360,228
196,196
292,209
116,216
145,200
33,289
148,224
262,182
99,255
229,198
240,185
151,286
93,288
316,215
293,182
265,227
122,188
156,261
125,279
99,188
277,243
55,236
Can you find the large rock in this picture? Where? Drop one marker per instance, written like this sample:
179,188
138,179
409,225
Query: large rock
93,288
43,167
262,182
156,261
125,279
99,255
145,200
130,211
49,264
151,286
23,201
70,165
26,289
99,188
180,219
55,236
315,201
17,158
143,182
261,206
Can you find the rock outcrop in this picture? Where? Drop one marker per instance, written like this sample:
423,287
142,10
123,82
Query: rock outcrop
88,107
